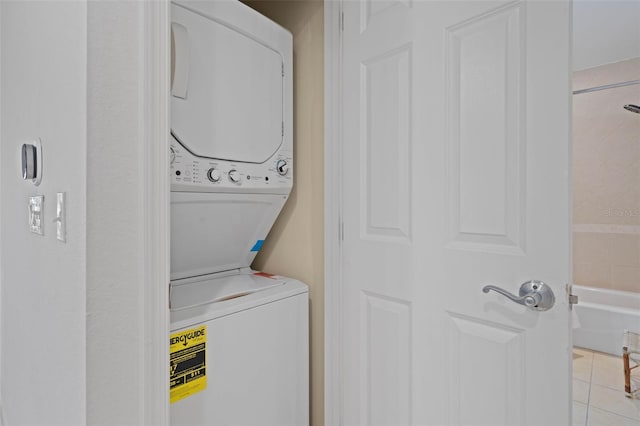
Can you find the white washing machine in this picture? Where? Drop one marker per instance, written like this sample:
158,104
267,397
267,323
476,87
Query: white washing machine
239,338
255,358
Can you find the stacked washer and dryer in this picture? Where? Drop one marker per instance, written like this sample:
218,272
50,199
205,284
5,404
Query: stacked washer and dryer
239,338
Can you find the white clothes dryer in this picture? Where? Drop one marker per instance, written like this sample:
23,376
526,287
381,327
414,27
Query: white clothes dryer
240,338
231,134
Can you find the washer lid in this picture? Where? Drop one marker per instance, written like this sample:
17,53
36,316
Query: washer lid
198,292
227,88
215,232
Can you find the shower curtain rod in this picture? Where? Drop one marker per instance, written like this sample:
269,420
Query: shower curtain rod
606,86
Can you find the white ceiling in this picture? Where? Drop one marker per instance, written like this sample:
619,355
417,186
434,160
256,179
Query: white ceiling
605,31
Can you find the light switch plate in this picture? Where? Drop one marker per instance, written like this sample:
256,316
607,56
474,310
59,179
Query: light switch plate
60,220
36,214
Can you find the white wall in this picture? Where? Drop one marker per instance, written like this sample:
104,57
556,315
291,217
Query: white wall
43,86
605,31
114,234
84,327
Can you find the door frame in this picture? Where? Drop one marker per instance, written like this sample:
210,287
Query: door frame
333,227
155,73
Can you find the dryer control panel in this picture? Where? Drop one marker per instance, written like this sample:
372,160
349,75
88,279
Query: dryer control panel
197,174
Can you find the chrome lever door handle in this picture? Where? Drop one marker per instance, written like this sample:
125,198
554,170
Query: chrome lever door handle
534,294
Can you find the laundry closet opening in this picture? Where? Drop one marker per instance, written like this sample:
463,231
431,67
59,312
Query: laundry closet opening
294,245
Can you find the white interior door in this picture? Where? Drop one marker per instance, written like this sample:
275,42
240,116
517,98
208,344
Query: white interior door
456,129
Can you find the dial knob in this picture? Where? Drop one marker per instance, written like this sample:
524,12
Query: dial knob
172,154
234,176
213,174
282,167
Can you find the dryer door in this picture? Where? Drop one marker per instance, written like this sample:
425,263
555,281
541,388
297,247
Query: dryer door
214,232
227,88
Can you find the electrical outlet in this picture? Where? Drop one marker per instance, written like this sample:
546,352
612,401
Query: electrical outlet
36,214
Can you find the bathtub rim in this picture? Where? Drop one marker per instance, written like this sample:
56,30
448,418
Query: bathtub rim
596,296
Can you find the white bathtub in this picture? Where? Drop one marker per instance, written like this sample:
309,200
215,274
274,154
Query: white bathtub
602,316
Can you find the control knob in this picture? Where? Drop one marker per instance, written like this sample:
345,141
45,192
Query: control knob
213,174
282,167
234,176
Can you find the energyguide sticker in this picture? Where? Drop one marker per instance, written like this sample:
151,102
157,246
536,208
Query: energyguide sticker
188,374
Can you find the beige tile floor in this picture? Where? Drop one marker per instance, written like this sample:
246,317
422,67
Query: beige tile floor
598,391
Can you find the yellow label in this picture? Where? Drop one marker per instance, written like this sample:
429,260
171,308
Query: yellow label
188,356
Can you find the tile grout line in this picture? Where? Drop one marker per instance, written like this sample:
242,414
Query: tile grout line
586,418
615,414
